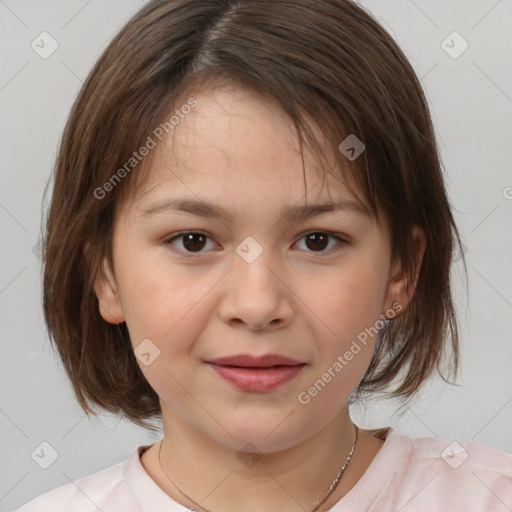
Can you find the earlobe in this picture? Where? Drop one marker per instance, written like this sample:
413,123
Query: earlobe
106,291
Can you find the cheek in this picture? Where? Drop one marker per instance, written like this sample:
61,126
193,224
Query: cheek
345,339
161,301
169,308
349,305
351,299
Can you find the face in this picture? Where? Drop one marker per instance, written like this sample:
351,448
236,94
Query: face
249,277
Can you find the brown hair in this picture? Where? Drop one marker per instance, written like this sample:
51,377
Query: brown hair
333,69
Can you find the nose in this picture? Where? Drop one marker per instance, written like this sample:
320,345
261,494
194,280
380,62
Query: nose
257,295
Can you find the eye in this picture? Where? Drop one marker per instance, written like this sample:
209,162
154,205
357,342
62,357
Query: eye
317,241
192,241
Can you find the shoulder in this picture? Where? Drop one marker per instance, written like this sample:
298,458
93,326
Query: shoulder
105,488
456,475
452,457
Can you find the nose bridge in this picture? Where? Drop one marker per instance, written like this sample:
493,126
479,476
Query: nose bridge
254,294
254,263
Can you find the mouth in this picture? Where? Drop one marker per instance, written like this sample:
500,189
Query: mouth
256,373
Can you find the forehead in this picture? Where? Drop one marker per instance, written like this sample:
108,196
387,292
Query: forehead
239,147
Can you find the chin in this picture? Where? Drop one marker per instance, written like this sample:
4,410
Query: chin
263,433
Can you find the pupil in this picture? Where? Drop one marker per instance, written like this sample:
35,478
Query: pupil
190,241
319,239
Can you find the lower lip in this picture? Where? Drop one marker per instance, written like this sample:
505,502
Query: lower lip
260,379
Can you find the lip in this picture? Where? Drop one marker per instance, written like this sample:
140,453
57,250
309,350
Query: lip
256,373
249,361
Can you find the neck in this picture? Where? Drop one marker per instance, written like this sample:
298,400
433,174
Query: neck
217,478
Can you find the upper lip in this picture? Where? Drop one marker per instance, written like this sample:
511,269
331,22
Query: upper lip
246,360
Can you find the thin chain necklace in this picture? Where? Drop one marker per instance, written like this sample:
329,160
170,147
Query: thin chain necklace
316,505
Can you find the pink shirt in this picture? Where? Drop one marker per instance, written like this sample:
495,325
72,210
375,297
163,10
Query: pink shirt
407,475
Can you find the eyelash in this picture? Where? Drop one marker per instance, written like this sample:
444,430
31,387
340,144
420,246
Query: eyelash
169,241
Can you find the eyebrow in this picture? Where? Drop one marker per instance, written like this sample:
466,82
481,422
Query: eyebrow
294,213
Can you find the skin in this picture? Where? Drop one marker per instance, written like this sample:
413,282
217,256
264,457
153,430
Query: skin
297,299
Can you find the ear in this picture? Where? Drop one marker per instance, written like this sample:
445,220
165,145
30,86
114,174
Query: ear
400,288
106,290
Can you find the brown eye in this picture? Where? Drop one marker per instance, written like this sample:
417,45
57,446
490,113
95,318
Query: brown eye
191,241
318,241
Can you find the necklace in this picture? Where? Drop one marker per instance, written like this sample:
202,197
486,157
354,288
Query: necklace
317,503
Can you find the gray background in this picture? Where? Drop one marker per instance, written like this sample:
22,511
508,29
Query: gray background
471,101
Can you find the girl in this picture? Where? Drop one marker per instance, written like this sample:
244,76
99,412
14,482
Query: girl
193,277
